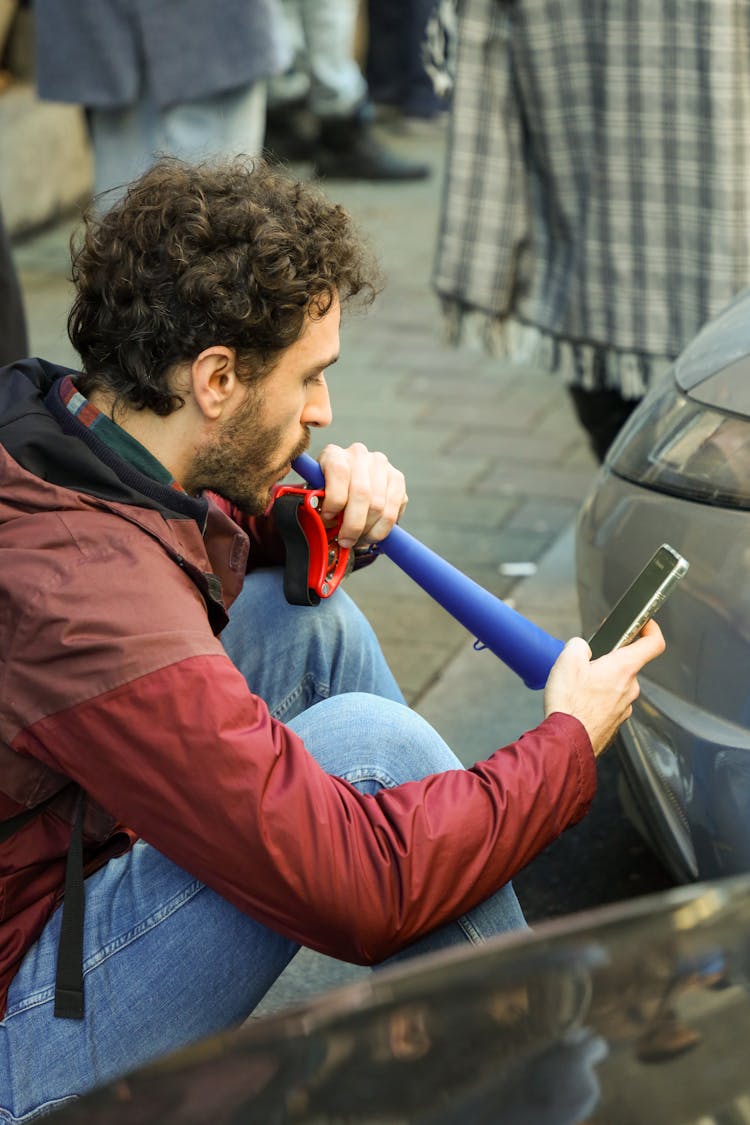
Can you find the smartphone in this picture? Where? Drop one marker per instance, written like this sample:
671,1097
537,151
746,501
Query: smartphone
640,601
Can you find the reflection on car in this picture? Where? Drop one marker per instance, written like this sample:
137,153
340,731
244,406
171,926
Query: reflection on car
637,1012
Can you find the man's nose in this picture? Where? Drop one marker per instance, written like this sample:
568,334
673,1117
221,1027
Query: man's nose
318,410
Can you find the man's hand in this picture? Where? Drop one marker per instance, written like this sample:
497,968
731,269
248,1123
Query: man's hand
366,488
600,693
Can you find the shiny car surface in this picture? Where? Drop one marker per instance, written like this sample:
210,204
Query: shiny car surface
634,1013
680,473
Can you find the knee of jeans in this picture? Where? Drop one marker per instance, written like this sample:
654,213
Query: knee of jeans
372,742
341,614
262,602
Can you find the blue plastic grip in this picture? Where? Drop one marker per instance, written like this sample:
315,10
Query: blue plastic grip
528,650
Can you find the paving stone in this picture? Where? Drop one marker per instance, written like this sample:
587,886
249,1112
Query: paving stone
481,548
542,515
463,472
566,482
549,597
522,448
481,415
559,421
453,507
529,399
408,619
478,704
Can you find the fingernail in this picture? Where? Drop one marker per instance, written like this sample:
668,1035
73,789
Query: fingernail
346,543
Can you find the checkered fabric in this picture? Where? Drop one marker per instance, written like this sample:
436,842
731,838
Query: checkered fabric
597,202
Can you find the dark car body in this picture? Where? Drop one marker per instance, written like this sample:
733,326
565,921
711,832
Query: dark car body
636,1013
680,473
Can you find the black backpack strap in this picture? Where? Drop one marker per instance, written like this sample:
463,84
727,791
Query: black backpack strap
69,979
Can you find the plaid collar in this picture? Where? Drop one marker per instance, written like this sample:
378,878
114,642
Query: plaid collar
114,436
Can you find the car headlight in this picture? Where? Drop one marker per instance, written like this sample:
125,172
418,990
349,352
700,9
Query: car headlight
675,444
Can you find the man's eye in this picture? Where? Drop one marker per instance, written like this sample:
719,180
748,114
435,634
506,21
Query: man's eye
312,380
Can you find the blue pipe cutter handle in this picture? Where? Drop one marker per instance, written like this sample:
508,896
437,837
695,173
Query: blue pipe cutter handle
528,650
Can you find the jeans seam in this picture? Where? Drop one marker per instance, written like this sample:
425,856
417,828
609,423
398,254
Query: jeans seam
101,955
322,691
468,927
370,773
39,1111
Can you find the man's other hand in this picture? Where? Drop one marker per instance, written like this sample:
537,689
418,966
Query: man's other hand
366,488
600,693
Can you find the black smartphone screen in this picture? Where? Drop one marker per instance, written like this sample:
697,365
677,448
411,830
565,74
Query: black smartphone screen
640,601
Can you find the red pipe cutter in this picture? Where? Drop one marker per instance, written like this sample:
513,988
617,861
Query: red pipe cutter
315,561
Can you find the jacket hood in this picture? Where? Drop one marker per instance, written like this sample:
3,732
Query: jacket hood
41,435
53,463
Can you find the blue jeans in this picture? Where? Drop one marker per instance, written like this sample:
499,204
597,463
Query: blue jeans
127,140
325,71
166,960
394,70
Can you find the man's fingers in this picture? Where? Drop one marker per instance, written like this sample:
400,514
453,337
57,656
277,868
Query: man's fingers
388,511
600,693
367,493
647,646
336,466
578,648
366,488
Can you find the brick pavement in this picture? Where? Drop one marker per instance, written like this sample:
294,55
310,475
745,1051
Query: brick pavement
495,463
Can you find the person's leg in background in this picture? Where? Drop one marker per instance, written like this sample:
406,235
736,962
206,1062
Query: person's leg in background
125,141
602,413
226,124
395,69
14,343
341,141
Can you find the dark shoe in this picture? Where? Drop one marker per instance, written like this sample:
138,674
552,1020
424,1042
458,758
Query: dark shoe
349,150
602,413
291,132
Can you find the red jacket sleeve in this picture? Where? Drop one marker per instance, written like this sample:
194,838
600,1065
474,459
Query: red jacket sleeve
234,797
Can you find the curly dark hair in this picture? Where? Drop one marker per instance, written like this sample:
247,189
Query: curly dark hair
232,252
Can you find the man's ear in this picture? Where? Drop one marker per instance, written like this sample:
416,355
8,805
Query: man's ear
214,380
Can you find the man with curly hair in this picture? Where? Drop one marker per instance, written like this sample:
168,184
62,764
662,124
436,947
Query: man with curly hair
232,775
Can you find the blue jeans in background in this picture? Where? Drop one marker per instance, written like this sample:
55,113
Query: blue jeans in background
127,140
325,71
395,69
166,960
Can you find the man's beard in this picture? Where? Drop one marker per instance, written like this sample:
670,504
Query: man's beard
243,461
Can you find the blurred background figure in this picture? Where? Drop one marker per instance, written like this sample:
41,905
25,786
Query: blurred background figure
14,342
186,79
320,108
395,67
596,210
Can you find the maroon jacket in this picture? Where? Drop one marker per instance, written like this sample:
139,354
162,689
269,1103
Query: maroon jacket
114,679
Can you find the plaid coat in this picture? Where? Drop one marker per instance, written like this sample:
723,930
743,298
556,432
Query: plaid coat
597,202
